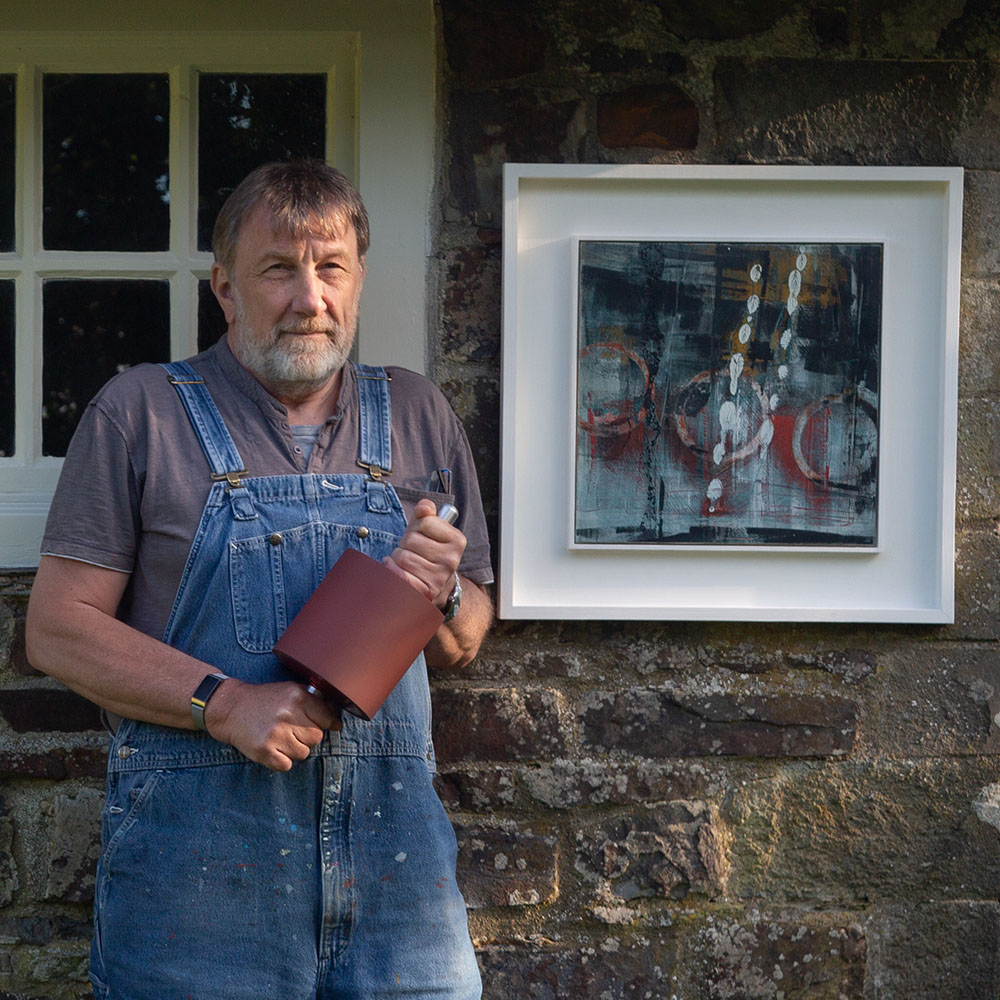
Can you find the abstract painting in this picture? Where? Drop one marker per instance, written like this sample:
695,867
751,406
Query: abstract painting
727,393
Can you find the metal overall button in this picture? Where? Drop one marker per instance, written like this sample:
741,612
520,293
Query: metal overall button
275,539
363,532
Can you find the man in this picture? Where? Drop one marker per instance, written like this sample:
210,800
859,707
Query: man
255,844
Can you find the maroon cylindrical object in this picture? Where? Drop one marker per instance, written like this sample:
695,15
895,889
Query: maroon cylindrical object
358,633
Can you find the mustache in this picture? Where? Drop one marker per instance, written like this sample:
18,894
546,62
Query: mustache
330,329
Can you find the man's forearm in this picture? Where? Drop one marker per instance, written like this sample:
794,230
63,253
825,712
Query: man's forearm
456,642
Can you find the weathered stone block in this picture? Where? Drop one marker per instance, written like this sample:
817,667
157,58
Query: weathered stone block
490,128
662,723
8,868
935,700
977,590
497,724
945,950
568,784
981,225
761,957
669,852
470,303
58,763
491,43
612,969
979,341
506,867
857,112
42,710
978,487
853,833
74,827
717,22
658,117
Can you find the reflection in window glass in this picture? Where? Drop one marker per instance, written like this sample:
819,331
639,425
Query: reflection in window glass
6,368
104,161
91,331
211,322
249,119
7,153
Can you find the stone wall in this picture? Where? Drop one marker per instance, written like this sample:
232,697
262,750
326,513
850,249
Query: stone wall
690,811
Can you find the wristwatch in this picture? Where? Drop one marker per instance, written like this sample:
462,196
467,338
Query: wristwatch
454,601
201,697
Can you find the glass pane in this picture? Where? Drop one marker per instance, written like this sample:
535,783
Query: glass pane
91,331
7,123
6,368
211,322
249,119
104,166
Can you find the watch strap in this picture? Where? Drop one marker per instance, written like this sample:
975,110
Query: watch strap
454,601
201,697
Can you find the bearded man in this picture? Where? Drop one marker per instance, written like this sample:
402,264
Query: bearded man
256,844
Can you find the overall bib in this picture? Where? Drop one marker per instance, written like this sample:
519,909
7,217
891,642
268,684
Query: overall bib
221,880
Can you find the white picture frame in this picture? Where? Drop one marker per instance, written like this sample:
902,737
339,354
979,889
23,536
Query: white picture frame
915,213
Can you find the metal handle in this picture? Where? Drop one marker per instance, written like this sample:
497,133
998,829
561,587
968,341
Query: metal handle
448,512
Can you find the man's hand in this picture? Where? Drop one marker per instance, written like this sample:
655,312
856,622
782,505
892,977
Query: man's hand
428,554
272,724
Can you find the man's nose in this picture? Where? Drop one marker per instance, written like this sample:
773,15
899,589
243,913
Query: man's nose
308,299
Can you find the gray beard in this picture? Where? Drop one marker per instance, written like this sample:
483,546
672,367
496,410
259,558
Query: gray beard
287,366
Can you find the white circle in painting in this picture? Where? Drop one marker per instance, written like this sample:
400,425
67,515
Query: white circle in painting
801,261
753,304
755,273
795,282
744,333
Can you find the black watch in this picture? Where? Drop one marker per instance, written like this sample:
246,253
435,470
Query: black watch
454,601
201,696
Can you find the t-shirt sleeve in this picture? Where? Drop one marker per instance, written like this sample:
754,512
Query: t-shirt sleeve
475,564
95,511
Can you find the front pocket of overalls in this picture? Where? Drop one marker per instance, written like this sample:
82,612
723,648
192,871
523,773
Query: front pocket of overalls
273,575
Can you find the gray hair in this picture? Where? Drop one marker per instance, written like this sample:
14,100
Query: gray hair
301,196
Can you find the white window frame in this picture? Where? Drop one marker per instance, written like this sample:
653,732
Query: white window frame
380,132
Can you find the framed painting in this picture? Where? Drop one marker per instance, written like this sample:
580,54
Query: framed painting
729,392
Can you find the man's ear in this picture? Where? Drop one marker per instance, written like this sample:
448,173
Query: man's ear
224,291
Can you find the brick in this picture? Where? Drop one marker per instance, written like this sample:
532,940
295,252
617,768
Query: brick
656,117
496,724
660,723
506,867
74,825
606,57
979,343
669,852
41,710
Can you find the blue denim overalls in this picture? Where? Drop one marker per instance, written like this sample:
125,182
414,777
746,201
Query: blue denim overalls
221,880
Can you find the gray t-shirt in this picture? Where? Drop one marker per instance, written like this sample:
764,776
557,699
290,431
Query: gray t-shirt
135,480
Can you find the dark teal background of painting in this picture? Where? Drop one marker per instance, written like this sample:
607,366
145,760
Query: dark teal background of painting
676,308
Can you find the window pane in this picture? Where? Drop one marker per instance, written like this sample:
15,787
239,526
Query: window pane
249,119
211,322
7,123
104,168
91,331
6,368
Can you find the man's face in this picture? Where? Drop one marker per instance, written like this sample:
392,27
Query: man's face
291,304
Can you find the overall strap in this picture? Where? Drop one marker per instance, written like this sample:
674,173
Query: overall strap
220,450
374,420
